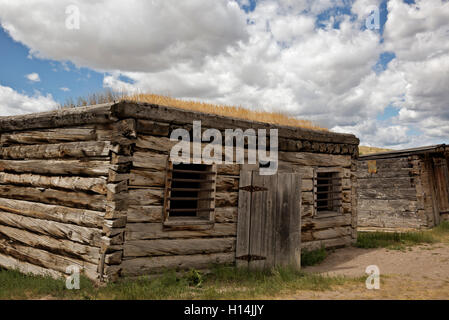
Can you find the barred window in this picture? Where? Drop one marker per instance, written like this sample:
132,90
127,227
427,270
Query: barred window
189,194
328,192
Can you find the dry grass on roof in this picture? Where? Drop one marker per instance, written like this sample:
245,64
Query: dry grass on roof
364,150
222,110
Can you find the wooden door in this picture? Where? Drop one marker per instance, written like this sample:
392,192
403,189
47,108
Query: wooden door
269,220
442,184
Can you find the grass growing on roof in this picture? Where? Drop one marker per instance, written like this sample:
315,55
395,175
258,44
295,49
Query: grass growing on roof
223,110
223,282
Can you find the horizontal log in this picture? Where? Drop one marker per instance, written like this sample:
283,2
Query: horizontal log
388,193
144,266
11,263
144,214
328,243
59,246
325,223
150,160
90,236
47,259
153,128
398,173
62,150
56,197
379,205
146,231
145,248
315,159
379,182
49,136
146,197
147,178
58,167
335,232
160,144
59,118
97,185
56,213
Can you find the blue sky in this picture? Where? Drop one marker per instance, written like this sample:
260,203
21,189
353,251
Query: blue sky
16,63
310,59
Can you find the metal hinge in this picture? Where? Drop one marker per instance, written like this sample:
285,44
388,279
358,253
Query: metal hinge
253,188
250,257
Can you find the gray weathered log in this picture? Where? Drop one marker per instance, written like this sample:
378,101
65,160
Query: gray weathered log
56,213
97,185
143,248
56,197
58,167
143,266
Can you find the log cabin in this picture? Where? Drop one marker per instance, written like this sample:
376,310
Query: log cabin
404,189
95,187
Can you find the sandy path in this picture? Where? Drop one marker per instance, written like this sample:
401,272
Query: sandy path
420,272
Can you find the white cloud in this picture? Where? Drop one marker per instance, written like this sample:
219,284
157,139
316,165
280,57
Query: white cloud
33,77
64,89
133,35
14,103
274,58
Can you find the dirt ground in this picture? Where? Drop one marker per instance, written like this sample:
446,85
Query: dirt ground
420,272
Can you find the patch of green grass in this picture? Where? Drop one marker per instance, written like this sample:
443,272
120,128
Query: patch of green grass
390,240
310,258
16,285
400,241
222,282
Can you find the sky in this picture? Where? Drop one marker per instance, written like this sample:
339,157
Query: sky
378,69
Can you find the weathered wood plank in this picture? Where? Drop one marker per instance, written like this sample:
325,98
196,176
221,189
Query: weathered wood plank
97,185
244,219
144,248
146,231
287,248
60,246
58,167
53,196
56,213
91,236
143,266
62,150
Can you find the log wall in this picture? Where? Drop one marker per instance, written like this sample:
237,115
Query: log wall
57,194
85,187
148,248
398,196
